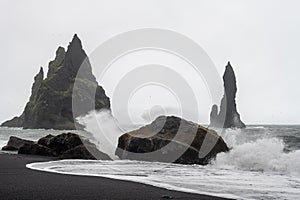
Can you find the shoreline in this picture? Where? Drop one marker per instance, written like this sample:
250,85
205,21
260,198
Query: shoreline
19,182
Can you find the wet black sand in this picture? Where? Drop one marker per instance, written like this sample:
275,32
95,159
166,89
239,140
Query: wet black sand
18,182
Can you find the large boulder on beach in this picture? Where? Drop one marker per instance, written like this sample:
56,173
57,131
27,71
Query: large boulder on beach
14,143
228,116
53,97
171,139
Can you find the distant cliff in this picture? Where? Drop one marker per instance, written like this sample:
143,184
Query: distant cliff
50,103
228,116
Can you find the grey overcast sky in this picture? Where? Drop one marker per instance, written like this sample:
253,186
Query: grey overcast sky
261,38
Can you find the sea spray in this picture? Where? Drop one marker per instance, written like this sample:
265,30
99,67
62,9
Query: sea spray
266,154
105,129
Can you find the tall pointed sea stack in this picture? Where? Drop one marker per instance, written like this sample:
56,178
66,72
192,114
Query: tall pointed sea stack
50,104
228,117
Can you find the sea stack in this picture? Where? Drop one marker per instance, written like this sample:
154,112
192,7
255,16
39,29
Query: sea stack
228,116
50,103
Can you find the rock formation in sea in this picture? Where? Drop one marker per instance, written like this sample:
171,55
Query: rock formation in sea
14,143
50,103
171,139
64,146
228,116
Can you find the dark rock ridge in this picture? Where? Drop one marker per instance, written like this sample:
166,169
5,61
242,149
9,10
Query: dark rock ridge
50,103
14,143
228,116
64,146
171,139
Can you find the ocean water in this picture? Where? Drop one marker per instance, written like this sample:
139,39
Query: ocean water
264,163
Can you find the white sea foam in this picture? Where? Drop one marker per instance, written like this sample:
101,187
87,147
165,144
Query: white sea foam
261,155
211,180
257,127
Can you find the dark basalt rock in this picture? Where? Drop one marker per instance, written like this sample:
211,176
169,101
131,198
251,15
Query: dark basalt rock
14,122
81,152
45,141
57,62
72,146
172,139
61,143
15,143
64,146
36,149
228,117
50,104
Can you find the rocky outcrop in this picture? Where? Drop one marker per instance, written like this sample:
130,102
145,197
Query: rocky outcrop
14,122
61,143
228,116
50,103
38,79
64,146
57,62
171,139
14,143
36,149
81,152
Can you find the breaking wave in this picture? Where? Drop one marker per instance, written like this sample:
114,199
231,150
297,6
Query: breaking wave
261,155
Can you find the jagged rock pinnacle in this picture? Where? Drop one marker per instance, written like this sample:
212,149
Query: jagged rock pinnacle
52,99
76,41
228,117
41,70
57,62
36,85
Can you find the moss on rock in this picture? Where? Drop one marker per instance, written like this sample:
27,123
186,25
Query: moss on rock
52,98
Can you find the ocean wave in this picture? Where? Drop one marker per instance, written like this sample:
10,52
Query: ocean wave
291,142
265,154
11,128
256,127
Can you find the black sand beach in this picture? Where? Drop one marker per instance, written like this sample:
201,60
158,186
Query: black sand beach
18,182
